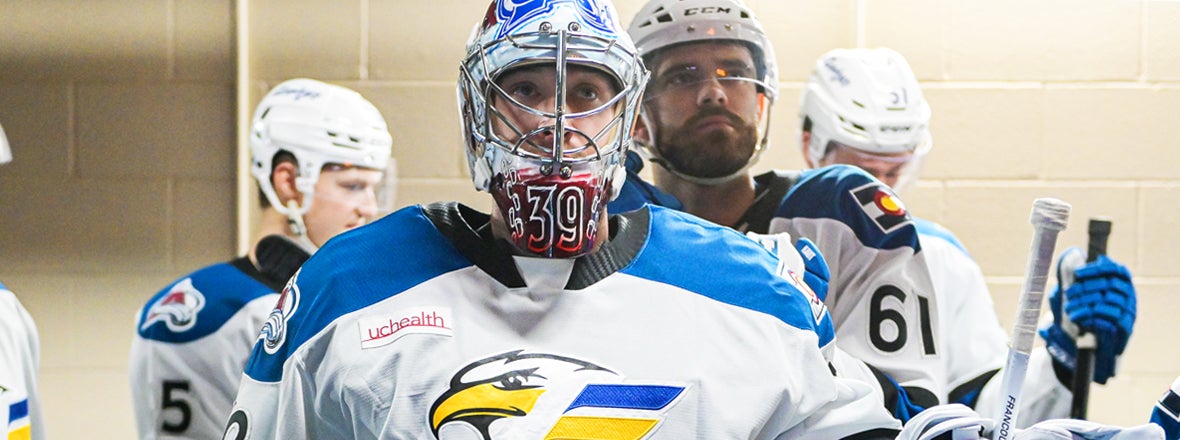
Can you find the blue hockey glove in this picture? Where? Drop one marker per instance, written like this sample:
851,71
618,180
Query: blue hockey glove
1098,298
816,273
803,257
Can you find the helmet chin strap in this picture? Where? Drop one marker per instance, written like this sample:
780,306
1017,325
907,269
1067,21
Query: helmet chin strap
298,227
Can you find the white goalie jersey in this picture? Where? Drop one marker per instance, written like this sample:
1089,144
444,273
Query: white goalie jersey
20,409
435,333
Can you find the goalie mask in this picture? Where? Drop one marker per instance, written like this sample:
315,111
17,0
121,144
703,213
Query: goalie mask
548,94
865,108
665,24
318,124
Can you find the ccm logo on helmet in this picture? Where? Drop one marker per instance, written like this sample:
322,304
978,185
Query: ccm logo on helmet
707,10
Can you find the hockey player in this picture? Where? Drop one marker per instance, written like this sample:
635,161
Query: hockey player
863,107
547,318
318,153
20,355
704,123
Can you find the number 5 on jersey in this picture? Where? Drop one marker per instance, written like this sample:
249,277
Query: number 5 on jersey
175,392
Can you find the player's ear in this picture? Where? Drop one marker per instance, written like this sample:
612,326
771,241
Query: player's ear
283,179
640,133
804,141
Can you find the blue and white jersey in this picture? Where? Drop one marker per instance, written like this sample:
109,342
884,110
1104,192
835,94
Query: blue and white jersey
191,345
20,350
974,344
880,294
421,325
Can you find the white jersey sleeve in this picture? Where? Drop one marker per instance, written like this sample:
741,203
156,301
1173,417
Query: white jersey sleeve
974,344
191,344
20,351
441,338
881,296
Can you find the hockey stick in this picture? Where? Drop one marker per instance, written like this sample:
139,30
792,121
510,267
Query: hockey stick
1083,373
1049,217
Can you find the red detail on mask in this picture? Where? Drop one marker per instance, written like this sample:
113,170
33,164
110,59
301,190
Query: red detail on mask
550,216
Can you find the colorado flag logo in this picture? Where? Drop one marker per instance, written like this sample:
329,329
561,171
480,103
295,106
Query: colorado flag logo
882,206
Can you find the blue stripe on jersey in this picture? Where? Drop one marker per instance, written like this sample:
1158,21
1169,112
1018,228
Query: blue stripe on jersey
3,287
828,193
642,397
723,265
225,290
18,410
356,269
929,228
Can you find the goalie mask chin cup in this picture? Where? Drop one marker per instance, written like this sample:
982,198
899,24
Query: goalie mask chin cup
552,215
552,176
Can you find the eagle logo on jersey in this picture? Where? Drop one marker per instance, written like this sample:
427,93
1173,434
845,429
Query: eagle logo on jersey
511,394
177,309
882,205
274,330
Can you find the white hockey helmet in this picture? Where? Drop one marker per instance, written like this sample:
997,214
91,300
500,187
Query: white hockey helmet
318,124
661,24
522,164
868,100
5,151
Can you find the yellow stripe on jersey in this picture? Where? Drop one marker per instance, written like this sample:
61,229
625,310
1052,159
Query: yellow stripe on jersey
600,428
22,433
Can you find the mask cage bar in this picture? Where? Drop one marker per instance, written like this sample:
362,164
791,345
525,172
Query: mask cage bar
567,41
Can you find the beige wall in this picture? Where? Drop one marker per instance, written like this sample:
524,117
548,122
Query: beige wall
122,118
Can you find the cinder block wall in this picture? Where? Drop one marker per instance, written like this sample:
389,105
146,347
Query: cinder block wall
122,117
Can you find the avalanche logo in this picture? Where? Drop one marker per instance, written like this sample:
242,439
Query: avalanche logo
14,414
514,14
882,205
274,330
520,395
177,309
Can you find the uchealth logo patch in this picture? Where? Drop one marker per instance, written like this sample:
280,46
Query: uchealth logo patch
383,330
177,309
882,205
274,330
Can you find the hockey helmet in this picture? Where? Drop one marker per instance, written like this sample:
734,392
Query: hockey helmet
318,124
550,178
661,24
867,100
